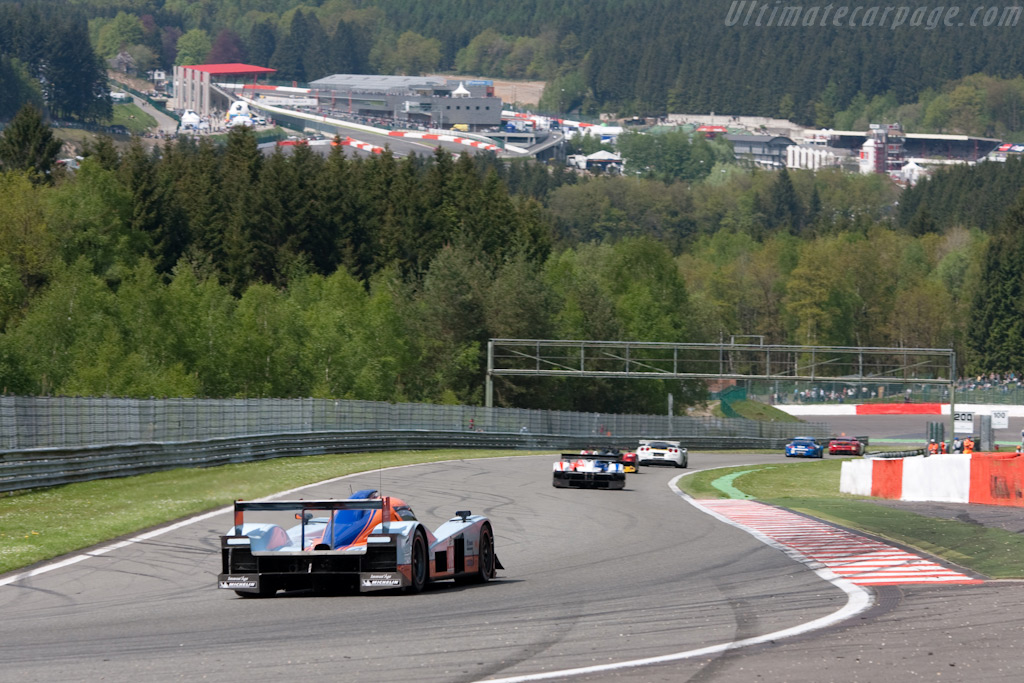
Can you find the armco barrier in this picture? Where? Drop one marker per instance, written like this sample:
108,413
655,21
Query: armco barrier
997,479
55,466
987,478
887,478
66,422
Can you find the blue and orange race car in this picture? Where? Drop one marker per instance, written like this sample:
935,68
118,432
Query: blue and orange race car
367,542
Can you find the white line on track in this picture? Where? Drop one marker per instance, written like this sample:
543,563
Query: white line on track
858,600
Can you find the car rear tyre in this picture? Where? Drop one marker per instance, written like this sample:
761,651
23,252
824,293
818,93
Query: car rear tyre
419,568
485,570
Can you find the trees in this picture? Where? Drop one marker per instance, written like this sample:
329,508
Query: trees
227,48
996,332
289,53
193,47
261,43
120,33
46,59
16,81
28,144
415,55
785,211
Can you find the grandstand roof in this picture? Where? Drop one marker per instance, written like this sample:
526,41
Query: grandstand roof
230,68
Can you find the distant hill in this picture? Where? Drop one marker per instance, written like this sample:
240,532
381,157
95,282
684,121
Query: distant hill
802,62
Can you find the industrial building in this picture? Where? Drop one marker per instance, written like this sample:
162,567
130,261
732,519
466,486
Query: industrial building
765,151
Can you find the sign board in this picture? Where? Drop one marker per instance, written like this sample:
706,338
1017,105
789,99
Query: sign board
1000,419
290,101
963,423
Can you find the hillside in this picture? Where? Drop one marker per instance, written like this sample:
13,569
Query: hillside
623,56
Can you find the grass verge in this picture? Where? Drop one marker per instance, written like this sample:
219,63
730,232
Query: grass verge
755,410
41,524
132,117
991,552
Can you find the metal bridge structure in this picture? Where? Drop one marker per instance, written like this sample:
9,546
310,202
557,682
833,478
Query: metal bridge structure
737,359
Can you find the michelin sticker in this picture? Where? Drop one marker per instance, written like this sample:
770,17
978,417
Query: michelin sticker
381,580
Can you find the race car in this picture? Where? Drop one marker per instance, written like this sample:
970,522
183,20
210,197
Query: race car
804,447
662,453
593,471
845,445
367,542
628,459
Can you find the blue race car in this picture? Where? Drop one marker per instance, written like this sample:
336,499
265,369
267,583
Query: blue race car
804,447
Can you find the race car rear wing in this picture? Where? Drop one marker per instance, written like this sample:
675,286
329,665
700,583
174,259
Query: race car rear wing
241,506
607,457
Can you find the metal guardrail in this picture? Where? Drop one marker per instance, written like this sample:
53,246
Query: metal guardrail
51,441
894,455
56,466
63,422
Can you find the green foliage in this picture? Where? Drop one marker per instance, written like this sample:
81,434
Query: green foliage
979,104
415,55
213,270
120,33
193,46
28,144
996,333
19,87
26,244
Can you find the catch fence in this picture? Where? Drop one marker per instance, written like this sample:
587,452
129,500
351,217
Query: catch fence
43,422
51,441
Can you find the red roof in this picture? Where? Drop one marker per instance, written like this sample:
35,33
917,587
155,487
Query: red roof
230,68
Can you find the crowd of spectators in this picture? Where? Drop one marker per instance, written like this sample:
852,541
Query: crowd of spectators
1005,382
994,387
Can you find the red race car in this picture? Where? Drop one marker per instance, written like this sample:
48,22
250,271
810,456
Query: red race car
845,445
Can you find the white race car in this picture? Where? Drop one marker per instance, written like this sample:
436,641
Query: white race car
662,453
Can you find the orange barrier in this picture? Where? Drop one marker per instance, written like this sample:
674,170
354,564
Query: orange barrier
997,479
899,409
887,478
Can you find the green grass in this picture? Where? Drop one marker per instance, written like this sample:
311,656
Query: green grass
132,117
755,410
813,488
42,524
